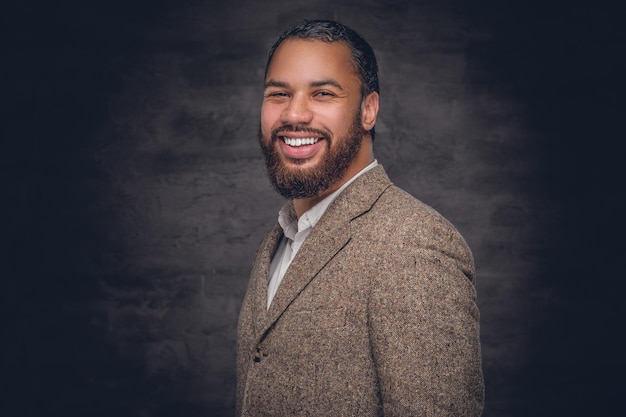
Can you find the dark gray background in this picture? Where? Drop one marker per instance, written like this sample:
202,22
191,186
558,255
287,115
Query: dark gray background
134,191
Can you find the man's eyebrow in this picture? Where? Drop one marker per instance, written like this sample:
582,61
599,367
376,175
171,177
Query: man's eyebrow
329,81
274,83
320,83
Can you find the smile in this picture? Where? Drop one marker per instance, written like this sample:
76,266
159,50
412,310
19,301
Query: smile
295,142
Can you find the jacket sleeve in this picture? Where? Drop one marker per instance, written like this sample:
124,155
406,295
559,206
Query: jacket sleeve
424,329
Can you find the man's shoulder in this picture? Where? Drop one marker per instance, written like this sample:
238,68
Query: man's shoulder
401,217
374,200
400,223
397,204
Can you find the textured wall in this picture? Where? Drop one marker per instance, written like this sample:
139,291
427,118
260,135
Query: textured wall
135,193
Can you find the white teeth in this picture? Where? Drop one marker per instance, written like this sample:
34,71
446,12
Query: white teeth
300,141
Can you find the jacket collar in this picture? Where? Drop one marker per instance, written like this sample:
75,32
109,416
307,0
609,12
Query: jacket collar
326,240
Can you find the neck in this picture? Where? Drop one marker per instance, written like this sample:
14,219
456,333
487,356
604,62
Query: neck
364,157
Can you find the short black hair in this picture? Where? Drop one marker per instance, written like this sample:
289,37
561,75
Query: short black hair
331,31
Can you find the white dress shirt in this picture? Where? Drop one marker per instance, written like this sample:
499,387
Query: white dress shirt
295,231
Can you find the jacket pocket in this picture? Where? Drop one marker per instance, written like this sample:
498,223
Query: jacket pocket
316,319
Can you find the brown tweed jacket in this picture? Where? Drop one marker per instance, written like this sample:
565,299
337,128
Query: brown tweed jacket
376,316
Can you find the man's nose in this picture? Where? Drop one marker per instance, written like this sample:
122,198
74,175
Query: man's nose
297,111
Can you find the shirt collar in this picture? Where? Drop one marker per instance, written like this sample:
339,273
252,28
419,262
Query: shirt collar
287,215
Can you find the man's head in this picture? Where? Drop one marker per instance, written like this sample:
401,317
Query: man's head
329,31
319,109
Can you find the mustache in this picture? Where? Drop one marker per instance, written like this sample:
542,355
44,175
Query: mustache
298,128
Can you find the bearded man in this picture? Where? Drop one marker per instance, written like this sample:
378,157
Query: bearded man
361,299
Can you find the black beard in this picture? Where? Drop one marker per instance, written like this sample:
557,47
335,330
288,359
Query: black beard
305,183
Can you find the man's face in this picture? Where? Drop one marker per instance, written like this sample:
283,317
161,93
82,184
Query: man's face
311,128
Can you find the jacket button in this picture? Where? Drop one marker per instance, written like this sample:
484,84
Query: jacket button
258,355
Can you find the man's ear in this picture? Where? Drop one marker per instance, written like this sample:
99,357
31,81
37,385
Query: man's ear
369,111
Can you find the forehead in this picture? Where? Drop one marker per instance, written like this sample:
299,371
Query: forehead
309,57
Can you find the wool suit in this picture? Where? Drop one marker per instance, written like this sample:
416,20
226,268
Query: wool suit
375,316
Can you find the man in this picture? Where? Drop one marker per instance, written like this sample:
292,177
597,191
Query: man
361,300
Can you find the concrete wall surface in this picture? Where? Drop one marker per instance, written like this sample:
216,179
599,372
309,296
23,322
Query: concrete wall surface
134,191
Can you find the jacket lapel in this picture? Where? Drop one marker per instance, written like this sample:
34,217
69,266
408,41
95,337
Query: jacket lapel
325,241
316,251
261,275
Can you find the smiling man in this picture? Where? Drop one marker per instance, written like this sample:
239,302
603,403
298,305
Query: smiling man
361,300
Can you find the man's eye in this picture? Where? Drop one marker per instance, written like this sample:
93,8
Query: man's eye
324,94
